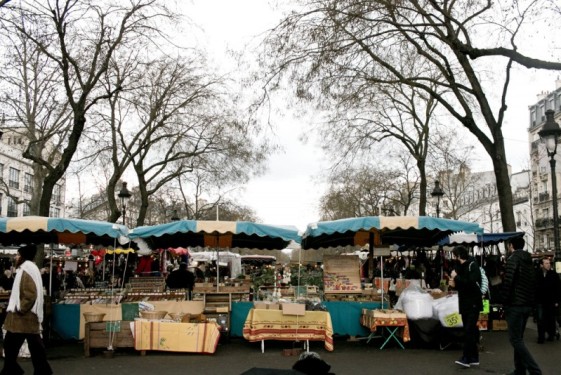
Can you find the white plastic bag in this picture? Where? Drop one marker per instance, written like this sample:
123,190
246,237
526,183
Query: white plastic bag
447,311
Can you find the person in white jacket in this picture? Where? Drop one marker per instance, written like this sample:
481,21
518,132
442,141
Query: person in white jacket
25,315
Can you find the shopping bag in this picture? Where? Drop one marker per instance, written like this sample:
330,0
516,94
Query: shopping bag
486,306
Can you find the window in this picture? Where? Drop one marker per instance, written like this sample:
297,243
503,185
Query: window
54,212
26,209
1,196
57,199
12,207
14,178
1,171
28,183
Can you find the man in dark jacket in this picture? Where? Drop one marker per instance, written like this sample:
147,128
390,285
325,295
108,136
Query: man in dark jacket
466,280
518,295
547,298
181,278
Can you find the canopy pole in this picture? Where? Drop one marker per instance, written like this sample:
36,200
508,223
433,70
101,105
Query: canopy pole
371,256
382,277
51,275
299,267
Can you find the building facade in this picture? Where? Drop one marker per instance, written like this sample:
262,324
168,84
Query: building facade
16,179
541,170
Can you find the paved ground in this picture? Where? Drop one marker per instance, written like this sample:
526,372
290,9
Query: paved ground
349,357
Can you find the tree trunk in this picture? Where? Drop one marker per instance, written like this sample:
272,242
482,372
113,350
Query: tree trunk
504,190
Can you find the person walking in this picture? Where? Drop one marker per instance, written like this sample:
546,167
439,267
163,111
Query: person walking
466,280
25,315
547,298
518,296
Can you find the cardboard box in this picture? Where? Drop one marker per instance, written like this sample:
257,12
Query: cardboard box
499,325
259,305
293,309
273,306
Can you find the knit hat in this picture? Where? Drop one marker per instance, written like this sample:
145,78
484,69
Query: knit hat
28,252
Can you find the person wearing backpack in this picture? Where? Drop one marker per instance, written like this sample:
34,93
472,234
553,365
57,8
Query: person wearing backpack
466,279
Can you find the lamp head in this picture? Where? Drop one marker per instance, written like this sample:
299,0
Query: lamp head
124,194
437,192
550,132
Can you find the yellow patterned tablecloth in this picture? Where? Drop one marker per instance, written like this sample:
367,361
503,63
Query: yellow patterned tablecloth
175,337
386,318
273,325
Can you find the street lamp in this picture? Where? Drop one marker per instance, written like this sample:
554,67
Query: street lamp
550,133
124,196
437,193
174,216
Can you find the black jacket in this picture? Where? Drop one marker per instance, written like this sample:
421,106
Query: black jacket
467,283
519,283
547,287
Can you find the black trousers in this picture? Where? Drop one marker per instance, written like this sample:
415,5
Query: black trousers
546,321
12,345
471,334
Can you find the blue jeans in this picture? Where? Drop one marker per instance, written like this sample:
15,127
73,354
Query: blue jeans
516,318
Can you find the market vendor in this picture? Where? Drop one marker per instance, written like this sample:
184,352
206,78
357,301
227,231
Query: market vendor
181,278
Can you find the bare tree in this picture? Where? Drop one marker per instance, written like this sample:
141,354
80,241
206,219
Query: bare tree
36,108
396,113
361,191
177,117
84,37
332,46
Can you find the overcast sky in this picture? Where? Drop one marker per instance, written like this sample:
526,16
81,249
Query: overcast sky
287,193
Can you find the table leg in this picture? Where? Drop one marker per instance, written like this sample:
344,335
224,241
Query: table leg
262,346
308,346
392,332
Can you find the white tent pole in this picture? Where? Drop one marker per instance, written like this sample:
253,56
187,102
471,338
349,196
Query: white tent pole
51,274
299,265
382,277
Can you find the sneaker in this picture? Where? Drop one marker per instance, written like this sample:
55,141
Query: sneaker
473,362
463,362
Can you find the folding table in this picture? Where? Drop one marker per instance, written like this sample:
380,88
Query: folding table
391,322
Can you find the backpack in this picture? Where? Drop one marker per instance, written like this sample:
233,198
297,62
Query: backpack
484,285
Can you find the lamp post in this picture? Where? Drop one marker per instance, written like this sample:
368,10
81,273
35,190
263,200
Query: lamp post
174,216
437,193
549,134
124,196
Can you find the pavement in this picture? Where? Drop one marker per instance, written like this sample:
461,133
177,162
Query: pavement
236,356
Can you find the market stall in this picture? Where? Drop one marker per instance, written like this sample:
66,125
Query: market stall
378,233
48,230
221,236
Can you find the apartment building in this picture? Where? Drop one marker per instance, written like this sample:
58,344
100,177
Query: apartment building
16,178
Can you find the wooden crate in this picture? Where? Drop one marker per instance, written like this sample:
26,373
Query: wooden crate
97,336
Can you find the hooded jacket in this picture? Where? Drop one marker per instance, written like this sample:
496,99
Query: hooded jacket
519,284
467,279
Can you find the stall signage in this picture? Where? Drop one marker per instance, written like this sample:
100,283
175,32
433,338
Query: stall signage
341,274
453,320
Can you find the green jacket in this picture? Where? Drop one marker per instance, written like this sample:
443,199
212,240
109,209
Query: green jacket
24,321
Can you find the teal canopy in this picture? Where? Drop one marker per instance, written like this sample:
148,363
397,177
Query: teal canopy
485,239
217,234
383,230
54,230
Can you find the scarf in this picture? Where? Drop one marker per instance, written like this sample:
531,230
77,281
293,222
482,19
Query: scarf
32,270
